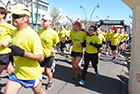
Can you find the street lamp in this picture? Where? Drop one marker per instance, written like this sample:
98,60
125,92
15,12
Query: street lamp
97,6
85,14
84,11
106,17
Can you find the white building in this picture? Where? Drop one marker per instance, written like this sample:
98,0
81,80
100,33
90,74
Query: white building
43,9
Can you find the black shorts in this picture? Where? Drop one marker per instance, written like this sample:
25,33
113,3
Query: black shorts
76,54
113,48
47,62
120,43
4,59
99,50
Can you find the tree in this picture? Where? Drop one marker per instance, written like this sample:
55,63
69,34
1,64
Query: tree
55,16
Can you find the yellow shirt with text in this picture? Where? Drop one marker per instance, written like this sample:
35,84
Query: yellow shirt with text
77,38
48,39
25,68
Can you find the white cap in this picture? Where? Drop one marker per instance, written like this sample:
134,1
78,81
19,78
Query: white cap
47,17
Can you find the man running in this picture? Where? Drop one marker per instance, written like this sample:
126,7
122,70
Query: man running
48,37
77,36
6,32
92,44
27,51
115,40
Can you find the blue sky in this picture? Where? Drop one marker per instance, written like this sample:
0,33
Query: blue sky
115,9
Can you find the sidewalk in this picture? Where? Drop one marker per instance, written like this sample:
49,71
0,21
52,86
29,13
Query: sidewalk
125,71
108,82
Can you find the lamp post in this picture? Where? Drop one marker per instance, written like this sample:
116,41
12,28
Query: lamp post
84,11
97,6
85,14
106,17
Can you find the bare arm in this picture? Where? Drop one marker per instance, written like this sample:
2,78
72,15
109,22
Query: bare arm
29,55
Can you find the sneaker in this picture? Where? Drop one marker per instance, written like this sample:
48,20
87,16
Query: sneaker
49,85
62,53
97,74
120,55
115,60
110,52
82,82
106,53
76,77
68,56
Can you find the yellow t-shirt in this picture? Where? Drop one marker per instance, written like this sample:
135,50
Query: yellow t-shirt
48,39
62,34
114,38
102,39
121,37
89,48
6,32
25,68
77,38
125,37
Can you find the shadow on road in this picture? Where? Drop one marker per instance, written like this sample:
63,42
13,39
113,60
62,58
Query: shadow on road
101,84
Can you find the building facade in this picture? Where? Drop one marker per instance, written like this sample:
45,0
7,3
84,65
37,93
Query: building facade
43,9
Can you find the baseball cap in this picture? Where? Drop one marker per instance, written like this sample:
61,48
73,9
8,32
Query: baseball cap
47,17
78,24
19,10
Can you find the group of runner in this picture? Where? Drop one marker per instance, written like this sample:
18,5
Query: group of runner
89,44
33,54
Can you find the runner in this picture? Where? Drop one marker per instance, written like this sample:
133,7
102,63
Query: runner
108,50
115,39
63,37
77,36
126,38
120,48
48,37
102,41
6,32
27,51
92,44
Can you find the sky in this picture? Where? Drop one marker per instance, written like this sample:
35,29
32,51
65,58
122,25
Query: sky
115,9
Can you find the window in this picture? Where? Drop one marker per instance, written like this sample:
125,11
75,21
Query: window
39,6
44,8
37,17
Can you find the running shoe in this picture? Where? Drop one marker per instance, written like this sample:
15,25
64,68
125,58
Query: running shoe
49,85
82,82
115,59
62,53
97,74
106,53
76,77
68,56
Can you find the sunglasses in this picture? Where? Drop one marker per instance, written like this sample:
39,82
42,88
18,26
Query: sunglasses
17,16
91,30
